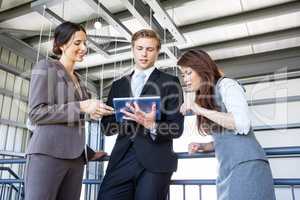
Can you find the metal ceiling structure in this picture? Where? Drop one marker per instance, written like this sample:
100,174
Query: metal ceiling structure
227,29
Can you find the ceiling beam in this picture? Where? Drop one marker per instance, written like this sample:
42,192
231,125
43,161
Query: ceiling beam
125,14
46,3
250,40
173,52
19,31
244,17
265,37
55,19
284,8
165,20
272,62
14,71
15,12
110,18
144,13
33,37
19,47
281,9
251,65
110,66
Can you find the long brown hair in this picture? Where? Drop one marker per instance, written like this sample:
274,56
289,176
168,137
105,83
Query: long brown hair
209,74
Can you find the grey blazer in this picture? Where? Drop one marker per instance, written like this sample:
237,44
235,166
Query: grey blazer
54,109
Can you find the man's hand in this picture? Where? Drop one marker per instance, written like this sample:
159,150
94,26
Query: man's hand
139,116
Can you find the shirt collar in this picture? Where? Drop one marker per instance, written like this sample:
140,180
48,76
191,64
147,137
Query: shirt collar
147,72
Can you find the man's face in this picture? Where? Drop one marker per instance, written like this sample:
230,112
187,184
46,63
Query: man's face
145,52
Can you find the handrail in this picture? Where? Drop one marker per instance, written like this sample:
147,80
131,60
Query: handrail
281,181
13,181
270,152
10,171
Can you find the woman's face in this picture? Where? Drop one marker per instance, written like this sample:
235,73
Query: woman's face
191,79
76,48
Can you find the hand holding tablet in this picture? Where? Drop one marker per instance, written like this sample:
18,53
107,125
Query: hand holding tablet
127,104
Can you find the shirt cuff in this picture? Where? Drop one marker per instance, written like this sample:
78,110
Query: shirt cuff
153,132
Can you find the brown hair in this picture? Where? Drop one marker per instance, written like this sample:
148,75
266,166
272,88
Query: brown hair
63,33
146,33
209,74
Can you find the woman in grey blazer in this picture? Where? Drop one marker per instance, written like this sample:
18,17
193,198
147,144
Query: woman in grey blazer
58,104
222,111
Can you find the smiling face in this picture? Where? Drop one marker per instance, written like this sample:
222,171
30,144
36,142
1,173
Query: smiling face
75,49
191,79
145,51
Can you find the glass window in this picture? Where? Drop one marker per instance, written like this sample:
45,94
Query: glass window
22,112
14,110
11,134
10,81
3,131
1,102
18,140
28,66
26,139
18,85
275,114
2,78
4,56
25,88
13,59
20,64
6,107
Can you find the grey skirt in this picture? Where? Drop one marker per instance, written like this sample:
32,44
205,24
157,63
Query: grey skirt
251,180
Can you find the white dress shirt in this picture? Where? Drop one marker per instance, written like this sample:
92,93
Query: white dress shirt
147,72
234,99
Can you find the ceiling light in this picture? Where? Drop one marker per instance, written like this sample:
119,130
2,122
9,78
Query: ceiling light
97,25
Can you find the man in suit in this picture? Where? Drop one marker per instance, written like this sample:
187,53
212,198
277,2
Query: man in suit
143,160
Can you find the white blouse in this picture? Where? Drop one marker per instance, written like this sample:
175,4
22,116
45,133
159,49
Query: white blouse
234,99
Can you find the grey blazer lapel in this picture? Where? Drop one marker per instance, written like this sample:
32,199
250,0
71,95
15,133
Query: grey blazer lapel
83,87
67,79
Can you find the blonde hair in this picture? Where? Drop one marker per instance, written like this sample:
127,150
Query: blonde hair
146,33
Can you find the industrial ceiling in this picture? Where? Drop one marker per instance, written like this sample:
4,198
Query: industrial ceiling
225,28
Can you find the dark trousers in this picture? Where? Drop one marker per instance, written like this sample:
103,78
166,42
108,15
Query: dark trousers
130,181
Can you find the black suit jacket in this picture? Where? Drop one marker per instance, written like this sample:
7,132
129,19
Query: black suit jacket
155,155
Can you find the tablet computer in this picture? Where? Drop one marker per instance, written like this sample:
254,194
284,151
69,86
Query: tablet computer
145,104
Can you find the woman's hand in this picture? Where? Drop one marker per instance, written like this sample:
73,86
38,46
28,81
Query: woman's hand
200,147
95,108
189,106
141,117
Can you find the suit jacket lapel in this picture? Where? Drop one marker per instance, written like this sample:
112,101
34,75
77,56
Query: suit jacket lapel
151,80
127,85
83,87
64,75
